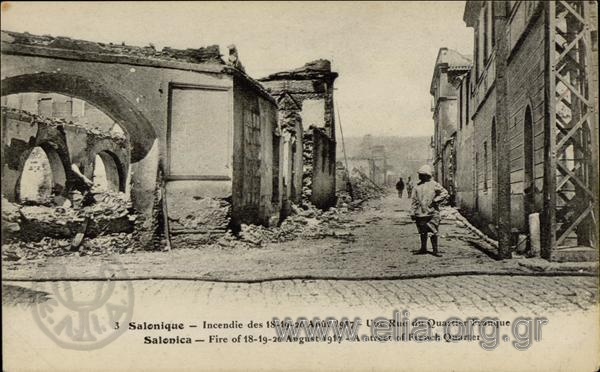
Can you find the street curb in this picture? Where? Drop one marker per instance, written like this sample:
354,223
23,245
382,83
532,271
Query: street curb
311,277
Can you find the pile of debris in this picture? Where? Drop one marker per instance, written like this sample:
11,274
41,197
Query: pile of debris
363,188
111,213
209,54
39,221
37,231
306,222
50,247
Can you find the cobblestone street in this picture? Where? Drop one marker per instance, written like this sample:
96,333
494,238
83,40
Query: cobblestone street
485,293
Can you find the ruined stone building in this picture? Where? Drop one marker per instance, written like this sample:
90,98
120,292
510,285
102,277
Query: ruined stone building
449,66
62,144
305,97
372,165
527,126
379,167
201,138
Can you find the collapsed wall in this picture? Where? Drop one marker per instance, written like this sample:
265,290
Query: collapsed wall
311,86
319,168
57,212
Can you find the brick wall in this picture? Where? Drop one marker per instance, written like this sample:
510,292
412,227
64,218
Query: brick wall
525,76
482,165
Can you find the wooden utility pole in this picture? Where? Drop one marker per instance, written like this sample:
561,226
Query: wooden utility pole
548,228
502,127
350,189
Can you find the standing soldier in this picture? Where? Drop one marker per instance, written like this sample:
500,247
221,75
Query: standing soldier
425,211
400,187
409,187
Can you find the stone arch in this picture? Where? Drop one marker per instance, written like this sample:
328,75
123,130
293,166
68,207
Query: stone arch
118,108
115,156
59,166
113,171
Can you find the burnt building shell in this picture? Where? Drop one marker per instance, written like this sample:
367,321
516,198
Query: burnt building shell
311,87
154,96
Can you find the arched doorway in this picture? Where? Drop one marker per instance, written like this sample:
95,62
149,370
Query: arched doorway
108,173
110,102
528,165
42,176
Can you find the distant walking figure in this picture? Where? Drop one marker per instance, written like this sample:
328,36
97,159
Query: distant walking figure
400,187
425,211
409,187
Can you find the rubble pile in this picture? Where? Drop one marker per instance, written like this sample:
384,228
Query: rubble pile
21,250
320,68
209,54
50,247
108,244
38,231
39,221
307,222
10,219
344,200
110,213
363,188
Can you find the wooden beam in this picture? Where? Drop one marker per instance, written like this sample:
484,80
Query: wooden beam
571,227
592,79
548,225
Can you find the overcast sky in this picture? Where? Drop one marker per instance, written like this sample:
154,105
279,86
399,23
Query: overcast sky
384,52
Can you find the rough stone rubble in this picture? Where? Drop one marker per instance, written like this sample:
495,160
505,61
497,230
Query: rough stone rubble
209,54
309,222
49,229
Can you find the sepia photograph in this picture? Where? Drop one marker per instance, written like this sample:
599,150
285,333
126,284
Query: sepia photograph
304,186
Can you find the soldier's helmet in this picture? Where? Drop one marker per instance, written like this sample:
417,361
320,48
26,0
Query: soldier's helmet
426,170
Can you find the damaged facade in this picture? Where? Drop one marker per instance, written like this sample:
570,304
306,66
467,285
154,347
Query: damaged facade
450,65
311,88
373,164
31,143
204,148
527,127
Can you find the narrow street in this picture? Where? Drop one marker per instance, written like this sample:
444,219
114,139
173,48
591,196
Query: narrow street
377,241
225,186
374,265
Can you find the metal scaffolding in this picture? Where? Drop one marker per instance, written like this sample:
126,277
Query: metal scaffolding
571,129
